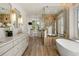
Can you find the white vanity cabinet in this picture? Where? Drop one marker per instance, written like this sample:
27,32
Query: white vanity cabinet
22,44
16,47
22,48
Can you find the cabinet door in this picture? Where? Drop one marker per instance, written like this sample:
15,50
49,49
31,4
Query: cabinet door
22,47
17,48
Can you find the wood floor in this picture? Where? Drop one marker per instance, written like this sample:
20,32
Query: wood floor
37,48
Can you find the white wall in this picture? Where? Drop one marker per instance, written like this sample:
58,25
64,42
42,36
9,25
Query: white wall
71,23
75,24
73,34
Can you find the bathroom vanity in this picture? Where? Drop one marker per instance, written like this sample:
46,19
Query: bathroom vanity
14,46
13,41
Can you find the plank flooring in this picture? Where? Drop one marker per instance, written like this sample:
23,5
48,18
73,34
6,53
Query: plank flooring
37,48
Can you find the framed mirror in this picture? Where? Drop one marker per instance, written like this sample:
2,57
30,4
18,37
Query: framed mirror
5,12
16,18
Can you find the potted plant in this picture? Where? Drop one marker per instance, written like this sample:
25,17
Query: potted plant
9,32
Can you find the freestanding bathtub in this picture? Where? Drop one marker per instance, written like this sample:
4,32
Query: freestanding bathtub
67,47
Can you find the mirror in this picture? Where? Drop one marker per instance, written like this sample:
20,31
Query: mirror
5,11
16,18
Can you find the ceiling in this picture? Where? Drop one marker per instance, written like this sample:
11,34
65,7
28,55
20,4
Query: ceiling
37,8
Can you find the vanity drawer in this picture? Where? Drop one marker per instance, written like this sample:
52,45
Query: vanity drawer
19,48
17,40
6,48
16,49
22,48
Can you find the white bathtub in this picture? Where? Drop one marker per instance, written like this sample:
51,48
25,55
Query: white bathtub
67,47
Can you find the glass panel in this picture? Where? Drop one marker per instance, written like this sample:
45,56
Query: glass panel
16,17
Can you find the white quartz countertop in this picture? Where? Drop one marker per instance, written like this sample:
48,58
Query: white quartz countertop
7,40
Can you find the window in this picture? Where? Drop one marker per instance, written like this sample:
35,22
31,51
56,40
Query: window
76,22
61,25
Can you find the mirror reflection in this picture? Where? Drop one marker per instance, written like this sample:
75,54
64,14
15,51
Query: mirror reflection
5,11
16,18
